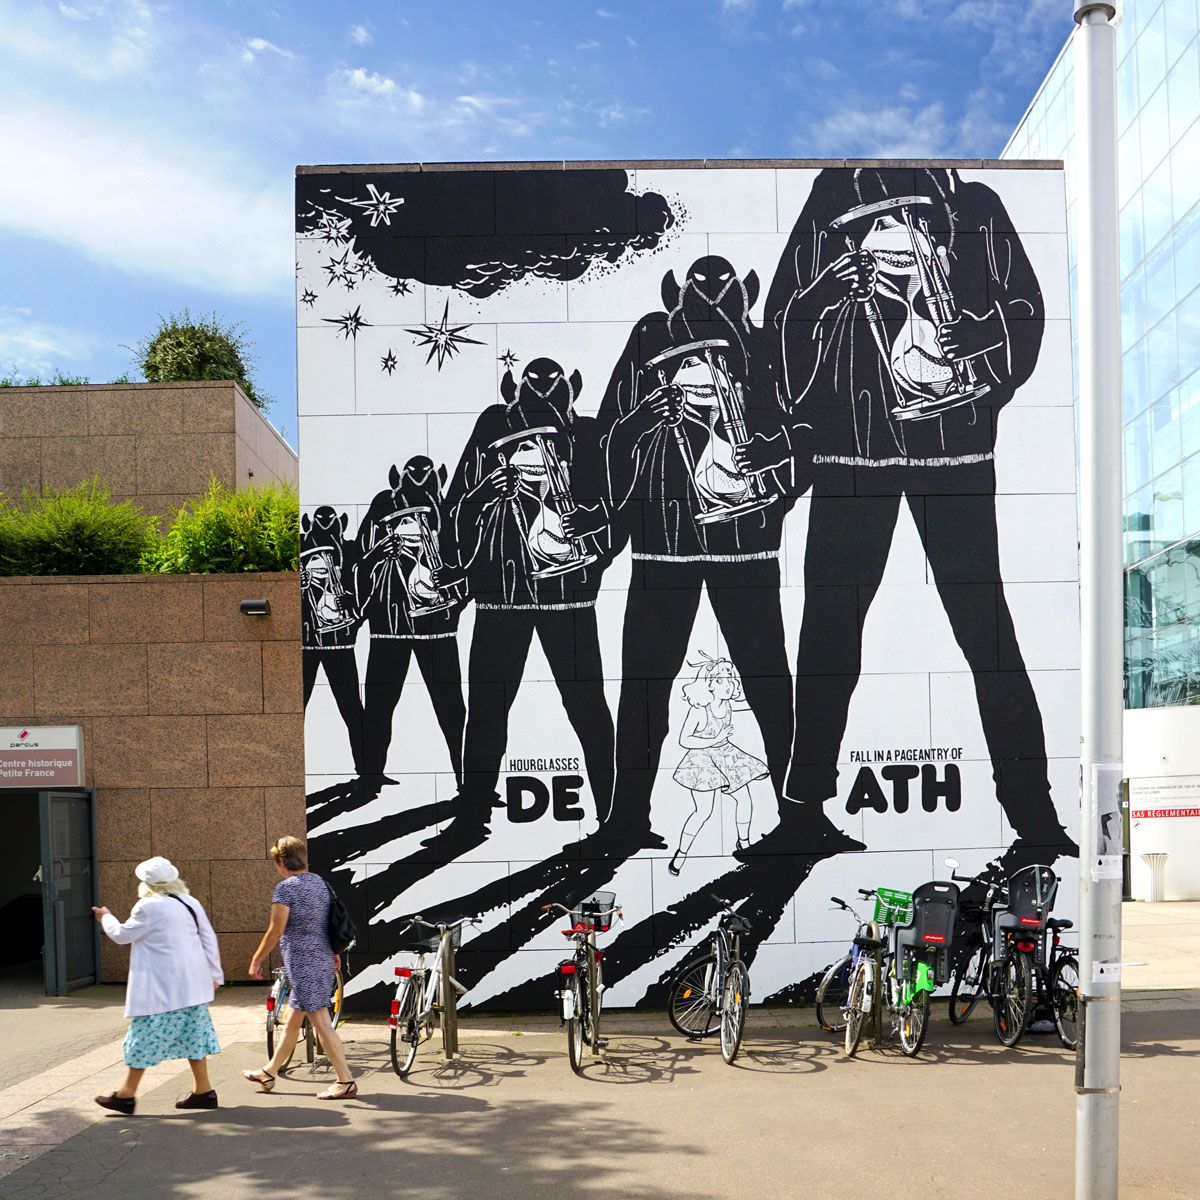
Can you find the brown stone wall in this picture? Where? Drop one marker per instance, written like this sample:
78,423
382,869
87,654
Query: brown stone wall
192,720
157,444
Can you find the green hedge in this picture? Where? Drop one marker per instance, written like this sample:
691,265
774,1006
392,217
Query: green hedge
78,531
83,531
257,529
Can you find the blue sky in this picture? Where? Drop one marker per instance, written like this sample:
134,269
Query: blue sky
150,146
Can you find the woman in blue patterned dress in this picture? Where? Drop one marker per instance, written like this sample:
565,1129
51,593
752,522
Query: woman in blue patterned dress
299,923
174,969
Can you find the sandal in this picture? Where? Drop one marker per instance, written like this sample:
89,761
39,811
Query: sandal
348,1092
264,1079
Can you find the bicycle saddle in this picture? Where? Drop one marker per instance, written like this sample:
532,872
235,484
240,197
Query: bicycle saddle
735,923
868,943
1059,923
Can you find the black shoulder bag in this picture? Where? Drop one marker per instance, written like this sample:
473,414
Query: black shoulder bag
340,925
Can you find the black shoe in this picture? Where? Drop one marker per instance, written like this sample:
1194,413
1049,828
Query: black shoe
1041,851
803,829
118,1104
204,1100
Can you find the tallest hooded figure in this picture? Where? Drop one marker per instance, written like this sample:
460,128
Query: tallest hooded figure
907,315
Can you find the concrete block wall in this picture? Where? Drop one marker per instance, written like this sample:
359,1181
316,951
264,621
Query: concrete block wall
157,444
192,723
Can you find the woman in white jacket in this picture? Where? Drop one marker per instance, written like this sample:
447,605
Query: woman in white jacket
174,970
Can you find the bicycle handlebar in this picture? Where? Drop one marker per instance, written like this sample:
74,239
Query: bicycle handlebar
445,927
867,893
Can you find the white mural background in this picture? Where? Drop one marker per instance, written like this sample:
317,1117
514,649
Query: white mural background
359,417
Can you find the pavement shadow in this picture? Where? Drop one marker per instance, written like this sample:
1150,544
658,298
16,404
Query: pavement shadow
638,1058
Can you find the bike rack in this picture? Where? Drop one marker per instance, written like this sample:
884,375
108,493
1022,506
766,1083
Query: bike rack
448,1001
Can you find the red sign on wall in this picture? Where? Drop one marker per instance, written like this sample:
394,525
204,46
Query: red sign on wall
1138,813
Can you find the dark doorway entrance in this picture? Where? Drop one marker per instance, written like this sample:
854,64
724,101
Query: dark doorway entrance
48,887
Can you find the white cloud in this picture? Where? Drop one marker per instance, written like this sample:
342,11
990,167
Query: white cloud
257,45
878,131
155,208
612,116
605,15
360,35
590,44
105,38
31,346
358,85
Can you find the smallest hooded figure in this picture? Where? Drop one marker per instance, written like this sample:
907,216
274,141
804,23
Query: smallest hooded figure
330,617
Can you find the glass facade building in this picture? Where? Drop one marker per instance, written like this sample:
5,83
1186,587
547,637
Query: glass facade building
1158,109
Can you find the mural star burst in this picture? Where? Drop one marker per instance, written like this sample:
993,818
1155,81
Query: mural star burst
350,323
309,297
340,270
388,361
378,206
509,359
443,339
400,287
333,228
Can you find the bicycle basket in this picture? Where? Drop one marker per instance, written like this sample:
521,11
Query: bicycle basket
595,911
429,944
892,907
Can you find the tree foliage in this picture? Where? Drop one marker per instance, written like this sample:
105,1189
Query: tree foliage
184,347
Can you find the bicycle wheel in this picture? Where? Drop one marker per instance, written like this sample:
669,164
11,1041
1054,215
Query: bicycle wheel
861,994
1012,998
575,1028
690,1004
970,978
914,1023
733,1010
406,1033
1064,999
336,1001
832,993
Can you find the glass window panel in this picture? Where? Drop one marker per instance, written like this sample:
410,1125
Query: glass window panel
1160,285
1135,380
1138,518
1157,217
1162,357
1138,468
1164,436
1168,682
1179,26
1129,162
1187,252
1132,244
1155,129
1191,520
1167,504
1191,562
1151,51
1138,659
1127,89
1187,400
1056,123
1137,603
1168,588
1185,179
1183,91
1187,334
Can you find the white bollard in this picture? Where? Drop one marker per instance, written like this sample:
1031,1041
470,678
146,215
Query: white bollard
1156,885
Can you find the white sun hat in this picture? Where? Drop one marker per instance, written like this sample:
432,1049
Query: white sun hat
156,871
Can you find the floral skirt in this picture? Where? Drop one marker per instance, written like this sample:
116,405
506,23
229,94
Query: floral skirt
722,768
182,1033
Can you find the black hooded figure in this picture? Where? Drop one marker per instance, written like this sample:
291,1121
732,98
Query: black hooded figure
907,315
329,617
402,543
530,527
690,387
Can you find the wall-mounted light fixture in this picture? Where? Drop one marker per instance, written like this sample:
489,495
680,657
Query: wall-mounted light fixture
255,608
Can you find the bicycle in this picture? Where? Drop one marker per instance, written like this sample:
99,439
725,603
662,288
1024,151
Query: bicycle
582,999
425,992
899,974
1008,961
833,991
277,1001
710,991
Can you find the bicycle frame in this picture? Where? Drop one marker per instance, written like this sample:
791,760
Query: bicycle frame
587,956
438,988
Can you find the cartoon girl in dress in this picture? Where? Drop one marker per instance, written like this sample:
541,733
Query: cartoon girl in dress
713,763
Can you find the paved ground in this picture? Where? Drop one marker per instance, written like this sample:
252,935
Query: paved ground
660,1118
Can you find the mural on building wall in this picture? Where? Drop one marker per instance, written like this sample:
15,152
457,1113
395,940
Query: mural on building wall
728,517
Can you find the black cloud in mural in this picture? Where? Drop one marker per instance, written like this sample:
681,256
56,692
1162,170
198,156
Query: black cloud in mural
479,231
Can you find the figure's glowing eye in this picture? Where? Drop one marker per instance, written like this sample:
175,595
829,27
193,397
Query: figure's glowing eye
700,277
724,277
534,375
553,374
